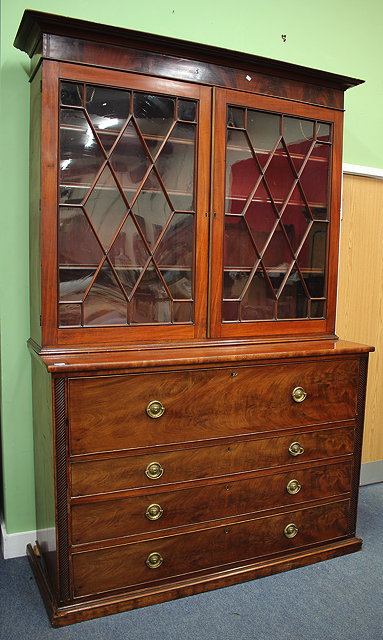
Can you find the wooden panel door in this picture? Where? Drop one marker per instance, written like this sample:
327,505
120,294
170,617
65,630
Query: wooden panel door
276,225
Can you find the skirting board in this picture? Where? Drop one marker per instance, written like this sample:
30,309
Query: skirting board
13,545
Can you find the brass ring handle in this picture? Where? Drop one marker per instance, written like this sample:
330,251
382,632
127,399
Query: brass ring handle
290,530
295,449
155,409
299,394
293,487
154,470
154,560
154,512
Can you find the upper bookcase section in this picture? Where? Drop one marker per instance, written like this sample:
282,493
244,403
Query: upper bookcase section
44,35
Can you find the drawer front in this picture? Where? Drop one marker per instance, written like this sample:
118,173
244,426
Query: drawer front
110,413
126,565
203,462
126,516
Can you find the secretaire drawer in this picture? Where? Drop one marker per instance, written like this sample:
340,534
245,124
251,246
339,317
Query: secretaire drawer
118,474
112,412
174,556
105,519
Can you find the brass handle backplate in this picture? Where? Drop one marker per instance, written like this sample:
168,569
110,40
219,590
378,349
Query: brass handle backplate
155,409
299,394
154,512
154,470
154,560
293,487
290,530
295,449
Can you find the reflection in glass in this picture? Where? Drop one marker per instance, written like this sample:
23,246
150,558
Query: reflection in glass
280,177
234,283
238,247
106,207
74,283
69,315
179,283
108,108
293,302
242,171
150,302
264,131
80,155
296,219
77,242
314,177
278,255
71,94
183,312
323,132
235,117
176,246
128,249
154,114
129,159
261,218
128,278
105,303
258,302
151,209
176,160
298,135
187,110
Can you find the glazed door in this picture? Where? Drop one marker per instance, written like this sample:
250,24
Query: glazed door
131,199
276,216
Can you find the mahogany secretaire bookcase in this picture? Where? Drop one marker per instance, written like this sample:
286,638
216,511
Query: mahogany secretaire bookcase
197,421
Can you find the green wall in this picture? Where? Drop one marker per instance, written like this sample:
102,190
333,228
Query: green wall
342,36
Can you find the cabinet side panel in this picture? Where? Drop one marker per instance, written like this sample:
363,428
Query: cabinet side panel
34,208
44,468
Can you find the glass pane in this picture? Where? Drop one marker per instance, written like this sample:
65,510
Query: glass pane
323,132
69,315
128,249
234,283
152,209
258,303
105,303
242,171
150,302
187,110
261,218
235,117
238,247
312,259
314,178
298,135
130,160
74,283
107,108
77,242
106,207
296,219
176,246
183,312
72,195
128,278
80,155
317,308
264,131
176,160
280,177
293,302
278,254
71,94
230,311
154,116
179,283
